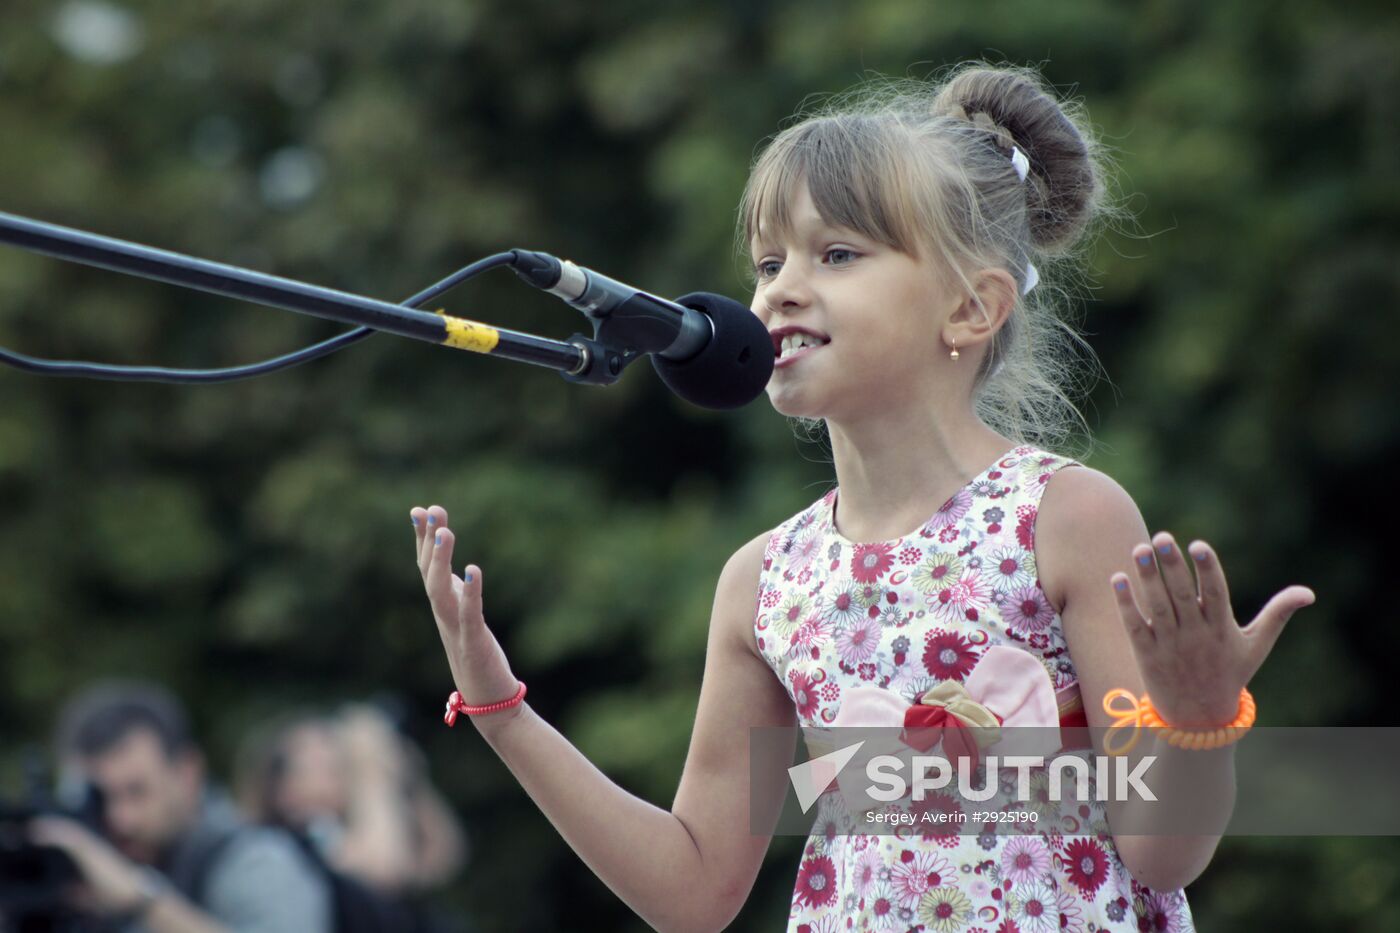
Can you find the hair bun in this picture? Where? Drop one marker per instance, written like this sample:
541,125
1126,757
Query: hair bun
1016,107
984,121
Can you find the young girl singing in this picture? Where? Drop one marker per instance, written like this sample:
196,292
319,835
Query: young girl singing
898,241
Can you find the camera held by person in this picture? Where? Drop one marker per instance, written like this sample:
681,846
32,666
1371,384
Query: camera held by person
168,853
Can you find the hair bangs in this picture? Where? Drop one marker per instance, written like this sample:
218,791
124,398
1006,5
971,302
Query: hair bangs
850,170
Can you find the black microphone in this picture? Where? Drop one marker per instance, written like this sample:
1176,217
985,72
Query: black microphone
710,350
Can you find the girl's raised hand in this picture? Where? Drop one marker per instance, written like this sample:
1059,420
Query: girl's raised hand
479,666
1194,657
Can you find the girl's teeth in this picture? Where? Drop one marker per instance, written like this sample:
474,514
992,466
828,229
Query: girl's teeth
794,342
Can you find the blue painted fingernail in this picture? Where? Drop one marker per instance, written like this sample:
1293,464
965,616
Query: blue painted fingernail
1145,559
437,539
413,518
1120,585
1164,549
432,519
469,578
1199,555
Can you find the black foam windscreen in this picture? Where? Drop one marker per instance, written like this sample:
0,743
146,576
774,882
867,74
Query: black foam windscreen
734,367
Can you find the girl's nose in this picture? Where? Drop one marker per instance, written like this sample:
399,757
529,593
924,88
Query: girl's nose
789,289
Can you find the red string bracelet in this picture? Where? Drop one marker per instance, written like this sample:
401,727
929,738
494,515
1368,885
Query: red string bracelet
455,705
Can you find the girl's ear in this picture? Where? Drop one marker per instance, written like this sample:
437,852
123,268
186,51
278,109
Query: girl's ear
983,311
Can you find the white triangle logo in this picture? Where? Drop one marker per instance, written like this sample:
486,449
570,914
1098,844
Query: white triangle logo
810,778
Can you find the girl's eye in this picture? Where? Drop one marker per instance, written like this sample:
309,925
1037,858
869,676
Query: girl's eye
840,256
767,268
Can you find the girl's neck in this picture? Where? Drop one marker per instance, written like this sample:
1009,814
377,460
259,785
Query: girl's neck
897,469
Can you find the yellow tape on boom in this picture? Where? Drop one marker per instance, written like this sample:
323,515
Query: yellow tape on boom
469,335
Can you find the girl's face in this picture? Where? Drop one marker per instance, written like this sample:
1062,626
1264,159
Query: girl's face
872,313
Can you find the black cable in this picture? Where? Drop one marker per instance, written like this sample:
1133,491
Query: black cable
79,368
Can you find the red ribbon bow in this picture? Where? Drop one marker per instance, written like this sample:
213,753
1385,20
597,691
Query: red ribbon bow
925,725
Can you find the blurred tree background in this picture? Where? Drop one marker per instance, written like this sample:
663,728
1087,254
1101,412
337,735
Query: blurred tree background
249,543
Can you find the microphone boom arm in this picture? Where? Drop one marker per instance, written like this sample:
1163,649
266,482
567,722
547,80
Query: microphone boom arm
575,359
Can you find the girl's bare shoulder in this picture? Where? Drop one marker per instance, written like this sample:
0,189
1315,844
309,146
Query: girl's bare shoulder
736,597
1086,526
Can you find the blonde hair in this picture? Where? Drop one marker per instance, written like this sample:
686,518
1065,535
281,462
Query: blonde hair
925,166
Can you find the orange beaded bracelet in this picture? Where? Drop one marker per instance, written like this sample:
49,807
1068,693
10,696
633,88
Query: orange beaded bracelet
1143,713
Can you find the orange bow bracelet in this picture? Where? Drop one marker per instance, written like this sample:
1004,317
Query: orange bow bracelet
1140,713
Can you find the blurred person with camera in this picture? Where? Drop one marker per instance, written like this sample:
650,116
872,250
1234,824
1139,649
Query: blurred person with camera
173,854
356,793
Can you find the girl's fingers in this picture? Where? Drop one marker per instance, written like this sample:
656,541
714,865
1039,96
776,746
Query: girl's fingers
437,519
419,517
1156,604
425,528
470,602
1177,581
1215,594
1268,625
1139,632
438,575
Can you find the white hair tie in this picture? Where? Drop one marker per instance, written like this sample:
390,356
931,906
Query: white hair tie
1021,163
1032,278
1023,168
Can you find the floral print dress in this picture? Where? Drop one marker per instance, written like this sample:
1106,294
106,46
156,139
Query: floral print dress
904,615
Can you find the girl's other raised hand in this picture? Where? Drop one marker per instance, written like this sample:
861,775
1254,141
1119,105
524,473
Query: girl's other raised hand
479,666
1193,654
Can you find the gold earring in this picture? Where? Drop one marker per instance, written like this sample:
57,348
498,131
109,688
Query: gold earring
953,355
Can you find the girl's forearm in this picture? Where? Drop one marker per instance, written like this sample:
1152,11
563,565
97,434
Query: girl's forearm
643,853
1198,783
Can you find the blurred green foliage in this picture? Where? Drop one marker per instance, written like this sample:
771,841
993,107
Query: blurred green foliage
248,544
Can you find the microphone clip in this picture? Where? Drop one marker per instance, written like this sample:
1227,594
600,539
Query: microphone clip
627,323
601,361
